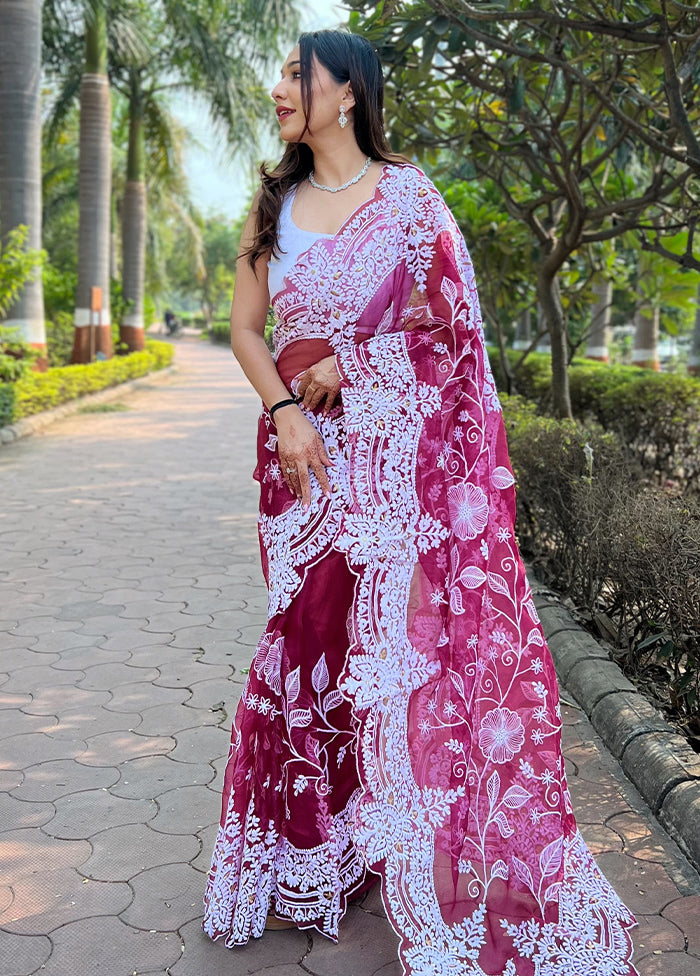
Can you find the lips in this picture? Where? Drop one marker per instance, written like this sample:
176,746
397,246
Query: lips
283,112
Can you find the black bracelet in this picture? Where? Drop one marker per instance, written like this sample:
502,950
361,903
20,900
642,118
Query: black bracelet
283,403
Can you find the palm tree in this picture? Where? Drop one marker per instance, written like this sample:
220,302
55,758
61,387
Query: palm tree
92,319
20,149
218,51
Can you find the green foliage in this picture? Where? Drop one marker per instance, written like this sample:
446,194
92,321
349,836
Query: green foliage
17,264
35,392
16,356
622,550
60,333
220,331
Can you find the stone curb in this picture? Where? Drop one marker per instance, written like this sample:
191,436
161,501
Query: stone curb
658,760
30,425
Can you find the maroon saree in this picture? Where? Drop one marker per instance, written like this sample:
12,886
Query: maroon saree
401,715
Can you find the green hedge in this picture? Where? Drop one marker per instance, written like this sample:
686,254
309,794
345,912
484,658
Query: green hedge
655,415
41,391
627,553
220,331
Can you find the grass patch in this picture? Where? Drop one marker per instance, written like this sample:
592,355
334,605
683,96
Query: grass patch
105,408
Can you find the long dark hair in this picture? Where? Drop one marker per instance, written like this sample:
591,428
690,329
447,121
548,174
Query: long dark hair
348,57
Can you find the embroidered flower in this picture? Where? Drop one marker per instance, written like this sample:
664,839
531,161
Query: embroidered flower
501,735
537,665
469,510
537,736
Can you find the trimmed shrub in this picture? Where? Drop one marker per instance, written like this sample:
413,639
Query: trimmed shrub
220,331
626,552
35,392
655,415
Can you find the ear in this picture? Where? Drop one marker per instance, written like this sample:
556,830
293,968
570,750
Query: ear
348,97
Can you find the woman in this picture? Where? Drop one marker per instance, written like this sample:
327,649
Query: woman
401,716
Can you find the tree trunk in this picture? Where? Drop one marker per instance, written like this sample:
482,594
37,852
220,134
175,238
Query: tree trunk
549,297
645,352
131,330
523,330
694,357
599,334
93,325
20,151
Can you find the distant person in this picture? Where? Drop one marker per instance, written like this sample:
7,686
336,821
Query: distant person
170,322
401,717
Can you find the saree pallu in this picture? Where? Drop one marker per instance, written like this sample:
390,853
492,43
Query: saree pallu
401,716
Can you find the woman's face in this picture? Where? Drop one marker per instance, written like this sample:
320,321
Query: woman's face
327,97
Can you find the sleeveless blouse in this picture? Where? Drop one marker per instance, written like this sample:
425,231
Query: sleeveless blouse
292,241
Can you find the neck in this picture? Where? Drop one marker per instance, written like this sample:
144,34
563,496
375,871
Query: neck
337,164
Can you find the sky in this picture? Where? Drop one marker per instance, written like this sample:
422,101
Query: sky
219,185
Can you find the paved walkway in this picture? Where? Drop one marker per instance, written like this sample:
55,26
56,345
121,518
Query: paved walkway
131,600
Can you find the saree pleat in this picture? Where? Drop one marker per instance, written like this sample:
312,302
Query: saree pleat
401,716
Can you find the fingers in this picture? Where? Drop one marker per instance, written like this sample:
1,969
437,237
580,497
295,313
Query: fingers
313,396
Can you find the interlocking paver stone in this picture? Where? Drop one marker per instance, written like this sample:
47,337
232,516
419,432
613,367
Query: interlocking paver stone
22,954
120,853
84,814
165,898
202,956
19,751
51,898
153,525
185,810
87,946
50,780
113,748
153,775
112,675
209,742
27,852
23,813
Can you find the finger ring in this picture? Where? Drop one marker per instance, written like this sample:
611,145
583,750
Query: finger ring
289,470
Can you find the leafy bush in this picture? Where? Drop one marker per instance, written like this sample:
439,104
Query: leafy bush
35,392
16,356
220,331
59,339
626,552
17,265
655,415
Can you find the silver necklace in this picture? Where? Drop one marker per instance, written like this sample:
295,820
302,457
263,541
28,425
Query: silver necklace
337,189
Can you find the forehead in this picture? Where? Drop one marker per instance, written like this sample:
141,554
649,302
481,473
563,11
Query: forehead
292,60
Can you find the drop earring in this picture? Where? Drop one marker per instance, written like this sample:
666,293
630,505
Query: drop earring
342,118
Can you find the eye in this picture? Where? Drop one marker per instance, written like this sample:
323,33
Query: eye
296,75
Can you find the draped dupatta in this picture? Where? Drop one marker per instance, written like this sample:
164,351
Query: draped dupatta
462,805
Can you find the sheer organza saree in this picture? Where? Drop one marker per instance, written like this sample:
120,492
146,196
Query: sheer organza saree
401,715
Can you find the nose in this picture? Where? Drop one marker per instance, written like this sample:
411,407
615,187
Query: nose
277,92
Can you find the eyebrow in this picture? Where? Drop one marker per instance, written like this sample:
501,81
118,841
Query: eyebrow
289,64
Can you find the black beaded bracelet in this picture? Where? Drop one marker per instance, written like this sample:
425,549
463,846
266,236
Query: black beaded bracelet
282,403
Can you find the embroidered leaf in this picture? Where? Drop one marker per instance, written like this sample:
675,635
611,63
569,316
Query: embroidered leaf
515,796
449,289
523,873
292,686
500,868
319,675
456,605
457,681
472,577
493,787
504,827
498,584
502,478
552,893
332,700
299,717
550,857
535,637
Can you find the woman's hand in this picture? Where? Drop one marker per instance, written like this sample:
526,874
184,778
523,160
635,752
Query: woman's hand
319,381
300,448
